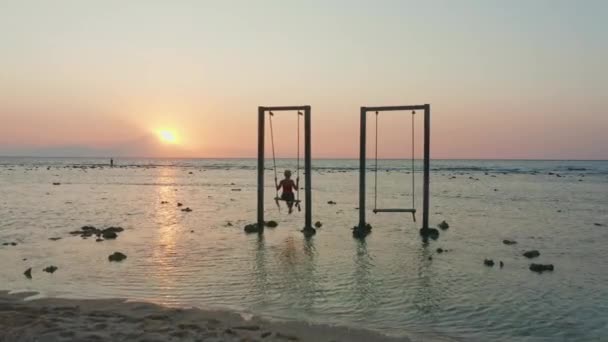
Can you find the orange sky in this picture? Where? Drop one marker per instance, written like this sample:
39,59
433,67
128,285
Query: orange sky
523,81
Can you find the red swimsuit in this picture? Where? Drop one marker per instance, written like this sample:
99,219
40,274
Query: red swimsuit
287,185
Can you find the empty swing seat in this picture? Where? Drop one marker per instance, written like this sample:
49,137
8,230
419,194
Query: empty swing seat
395,210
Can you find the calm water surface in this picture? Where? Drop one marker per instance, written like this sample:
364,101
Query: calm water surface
387,283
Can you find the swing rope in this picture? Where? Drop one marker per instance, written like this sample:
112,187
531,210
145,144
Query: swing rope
376,167
298,163
413,210
274,160
413,170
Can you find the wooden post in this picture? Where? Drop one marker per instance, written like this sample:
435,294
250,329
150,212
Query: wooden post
427,162
362,167
307,170
261,136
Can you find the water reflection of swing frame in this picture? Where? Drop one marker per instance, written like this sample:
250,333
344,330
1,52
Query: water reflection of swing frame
262,111
362,163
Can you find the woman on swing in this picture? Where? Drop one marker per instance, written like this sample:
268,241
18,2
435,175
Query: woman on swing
288,186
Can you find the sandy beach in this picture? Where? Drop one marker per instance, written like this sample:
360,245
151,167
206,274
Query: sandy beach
118,320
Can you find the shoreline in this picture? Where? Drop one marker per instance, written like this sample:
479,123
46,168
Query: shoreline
58,319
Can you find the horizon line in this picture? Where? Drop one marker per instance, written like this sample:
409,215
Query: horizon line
286,158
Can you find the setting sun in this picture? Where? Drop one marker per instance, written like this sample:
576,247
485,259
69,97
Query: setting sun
167,136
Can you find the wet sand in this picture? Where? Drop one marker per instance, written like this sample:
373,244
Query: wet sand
54,319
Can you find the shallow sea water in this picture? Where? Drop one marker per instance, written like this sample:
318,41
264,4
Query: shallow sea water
386,283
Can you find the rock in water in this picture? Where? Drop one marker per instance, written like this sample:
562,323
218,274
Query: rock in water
331,202
540,268
501,264
271,224
444,225
28,273
50,269
113,229
509,242
318,224
109,235
187,209
429,233
179,204
532,254
362,232
117,256
488,262
308,232
252,228
88,229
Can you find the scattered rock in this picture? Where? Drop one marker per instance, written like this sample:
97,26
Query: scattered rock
56,183
252,228
117,256
266,334
88,228
488,262
28,273
228,224
361,232
271,224
54,238
164,202
109,235
429,233
50,269
112,229
179,204
331,202
98,240
190,173
308,232
318,224
598,224
509,242
187,210
439,250
531,254
236,189
444,225
430,258
540,268
501,264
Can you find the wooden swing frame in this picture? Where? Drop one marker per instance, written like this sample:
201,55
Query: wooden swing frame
307,163
361,227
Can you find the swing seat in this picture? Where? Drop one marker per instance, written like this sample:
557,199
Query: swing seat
394,210
280,199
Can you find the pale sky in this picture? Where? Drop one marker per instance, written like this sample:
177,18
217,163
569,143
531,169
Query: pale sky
505,79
